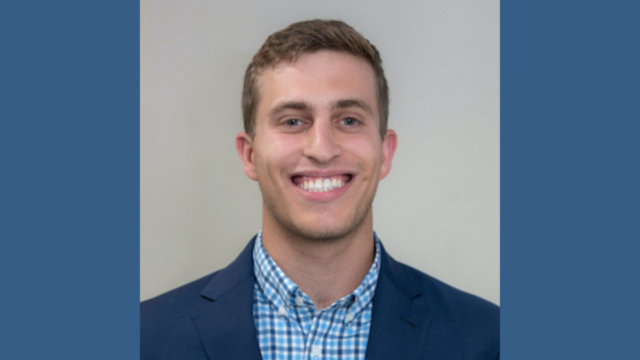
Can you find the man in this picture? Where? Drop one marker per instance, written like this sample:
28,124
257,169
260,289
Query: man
316,283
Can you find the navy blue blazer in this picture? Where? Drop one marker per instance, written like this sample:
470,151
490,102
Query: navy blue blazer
414,317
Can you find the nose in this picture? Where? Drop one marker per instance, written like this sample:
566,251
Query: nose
322,145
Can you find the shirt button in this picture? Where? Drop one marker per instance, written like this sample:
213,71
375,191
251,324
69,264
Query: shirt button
349,317
299,301
282,311
316,350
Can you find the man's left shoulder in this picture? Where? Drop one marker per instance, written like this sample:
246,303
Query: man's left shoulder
448,301
446,304
448,323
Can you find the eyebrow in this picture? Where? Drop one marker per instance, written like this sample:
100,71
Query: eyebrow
291,105
305,106
347,103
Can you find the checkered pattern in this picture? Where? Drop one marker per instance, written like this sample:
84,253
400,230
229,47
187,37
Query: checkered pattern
289,326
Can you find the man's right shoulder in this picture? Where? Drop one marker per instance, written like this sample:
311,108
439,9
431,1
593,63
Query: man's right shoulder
166,327
177,299
190,297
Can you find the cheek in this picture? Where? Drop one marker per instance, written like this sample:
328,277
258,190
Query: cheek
286,147
368,152
277,155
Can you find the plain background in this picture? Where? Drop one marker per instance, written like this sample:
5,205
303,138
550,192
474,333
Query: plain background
438,210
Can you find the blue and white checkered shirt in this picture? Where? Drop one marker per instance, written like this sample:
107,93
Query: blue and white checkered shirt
290,328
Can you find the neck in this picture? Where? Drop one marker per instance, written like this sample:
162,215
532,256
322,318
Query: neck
325,270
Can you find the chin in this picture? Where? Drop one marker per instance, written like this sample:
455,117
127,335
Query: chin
326,225
322,232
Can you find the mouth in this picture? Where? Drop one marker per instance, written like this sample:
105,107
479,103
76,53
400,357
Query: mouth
321,184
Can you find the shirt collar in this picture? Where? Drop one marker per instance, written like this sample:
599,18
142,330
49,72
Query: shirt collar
282,293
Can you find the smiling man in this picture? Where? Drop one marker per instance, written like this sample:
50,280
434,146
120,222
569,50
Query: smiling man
315,282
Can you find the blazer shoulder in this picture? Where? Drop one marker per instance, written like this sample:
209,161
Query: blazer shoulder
189,297
457,313
445,300
450,310
176,300
172,310
166,327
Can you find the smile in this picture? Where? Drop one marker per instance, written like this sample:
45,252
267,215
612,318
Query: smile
321,184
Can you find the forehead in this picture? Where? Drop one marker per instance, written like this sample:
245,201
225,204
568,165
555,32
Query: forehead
321,78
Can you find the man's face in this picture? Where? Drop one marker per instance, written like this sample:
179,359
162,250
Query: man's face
317,153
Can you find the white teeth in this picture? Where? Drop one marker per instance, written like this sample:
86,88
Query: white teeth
321,184
327,185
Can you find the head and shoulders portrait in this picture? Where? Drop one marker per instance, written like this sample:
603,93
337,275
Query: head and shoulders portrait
317,112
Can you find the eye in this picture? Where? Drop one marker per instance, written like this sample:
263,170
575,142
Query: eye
349,121
292,122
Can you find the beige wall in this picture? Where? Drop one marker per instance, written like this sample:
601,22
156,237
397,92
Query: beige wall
437,211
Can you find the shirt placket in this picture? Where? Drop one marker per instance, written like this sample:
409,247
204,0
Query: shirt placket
308,328
304,315
313,342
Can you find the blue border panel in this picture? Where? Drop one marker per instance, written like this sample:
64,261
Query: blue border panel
570,177
69,155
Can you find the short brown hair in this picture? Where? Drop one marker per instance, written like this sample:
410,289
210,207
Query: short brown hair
308,37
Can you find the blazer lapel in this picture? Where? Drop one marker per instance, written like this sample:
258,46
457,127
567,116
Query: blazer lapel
398,327
227,330
225,323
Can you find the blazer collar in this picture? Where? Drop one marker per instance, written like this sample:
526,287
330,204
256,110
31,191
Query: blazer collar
227,329
225,323
398,325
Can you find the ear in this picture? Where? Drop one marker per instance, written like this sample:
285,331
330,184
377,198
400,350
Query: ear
244,147
389,145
